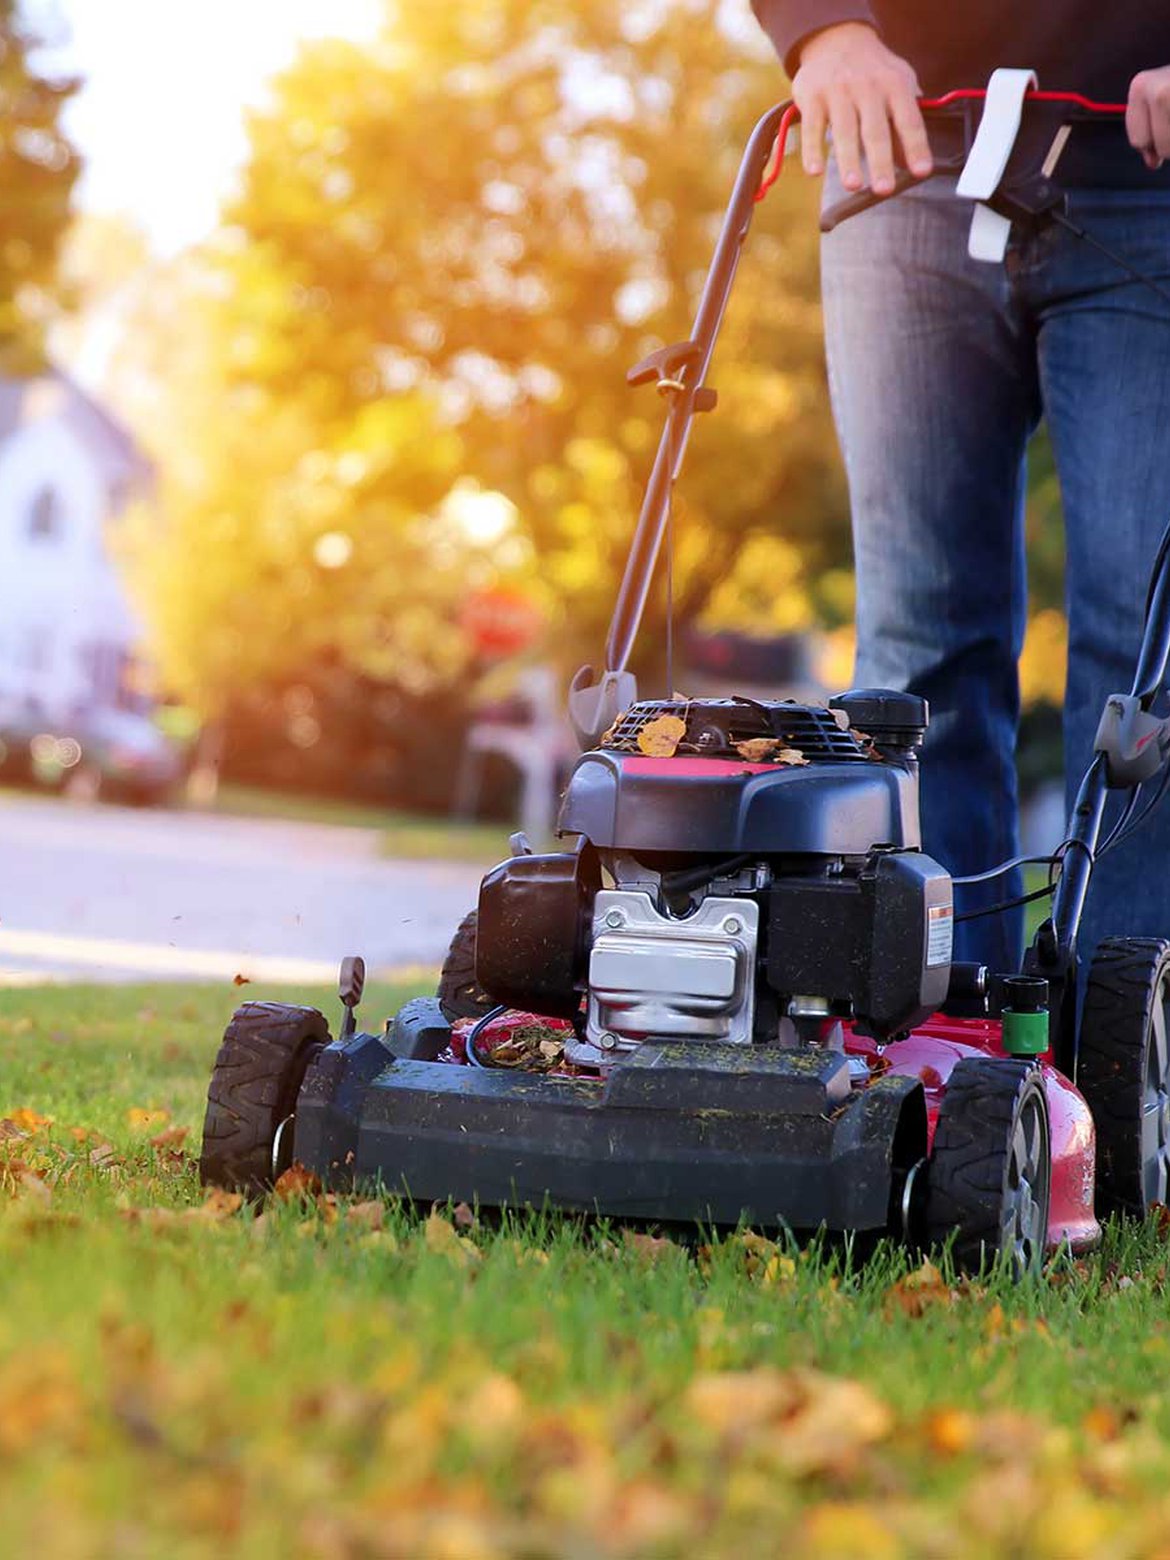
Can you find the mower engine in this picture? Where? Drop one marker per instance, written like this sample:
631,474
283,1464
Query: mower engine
742,872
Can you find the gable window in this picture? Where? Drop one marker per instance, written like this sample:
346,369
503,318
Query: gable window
44,516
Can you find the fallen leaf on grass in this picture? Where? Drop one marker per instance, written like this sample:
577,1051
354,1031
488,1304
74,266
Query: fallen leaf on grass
241,980
24,1121
140,1120
814,1423
217,1205
949,1431
660,738
366,1215
651,1248
463,1217
170,1137
762,1258
296,1184
919,1291
104,1157
840,1528
443,1239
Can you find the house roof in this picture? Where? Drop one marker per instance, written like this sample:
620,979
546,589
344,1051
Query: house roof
54,394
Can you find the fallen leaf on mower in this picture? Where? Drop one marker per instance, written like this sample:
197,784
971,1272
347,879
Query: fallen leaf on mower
660,738
758,749
540,1047
792,756
295,1183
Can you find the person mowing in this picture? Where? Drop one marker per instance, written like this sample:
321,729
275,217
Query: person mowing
940,369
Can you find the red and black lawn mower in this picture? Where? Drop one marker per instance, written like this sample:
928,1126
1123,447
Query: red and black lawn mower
730,994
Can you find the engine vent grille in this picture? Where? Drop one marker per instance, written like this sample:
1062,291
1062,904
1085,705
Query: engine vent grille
716,727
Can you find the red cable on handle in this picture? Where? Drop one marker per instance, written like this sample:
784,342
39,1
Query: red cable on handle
961,94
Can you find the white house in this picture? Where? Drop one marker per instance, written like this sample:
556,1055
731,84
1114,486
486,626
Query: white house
66,626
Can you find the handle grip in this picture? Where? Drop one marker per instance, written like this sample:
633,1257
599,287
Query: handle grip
841,210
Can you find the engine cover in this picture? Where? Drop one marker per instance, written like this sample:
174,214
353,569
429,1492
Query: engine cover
656,977
765,778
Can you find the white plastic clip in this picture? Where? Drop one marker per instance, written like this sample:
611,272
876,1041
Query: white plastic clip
1003,109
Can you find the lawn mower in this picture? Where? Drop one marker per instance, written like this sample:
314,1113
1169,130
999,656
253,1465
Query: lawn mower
729,995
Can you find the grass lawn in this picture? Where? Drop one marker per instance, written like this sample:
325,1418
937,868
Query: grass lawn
180,1377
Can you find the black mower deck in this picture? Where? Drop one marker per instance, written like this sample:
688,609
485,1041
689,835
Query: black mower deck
698,1133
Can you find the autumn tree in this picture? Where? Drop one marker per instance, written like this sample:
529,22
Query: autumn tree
38,169
446,251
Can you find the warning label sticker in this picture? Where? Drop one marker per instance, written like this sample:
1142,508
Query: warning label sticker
940,934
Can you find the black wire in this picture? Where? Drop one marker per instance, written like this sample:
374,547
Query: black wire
1117,832
1118,260
473,1034
1117,838
1007,904
1007,866
1160,558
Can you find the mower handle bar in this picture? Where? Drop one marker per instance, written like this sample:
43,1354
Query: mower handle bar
759,169
1075,108
682,388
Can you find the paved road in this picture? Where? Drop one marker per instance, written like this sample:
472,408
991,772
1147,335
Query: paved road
110,893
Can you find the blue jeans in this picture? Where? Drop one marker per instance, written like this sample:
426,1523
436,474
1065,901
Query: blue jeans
940,368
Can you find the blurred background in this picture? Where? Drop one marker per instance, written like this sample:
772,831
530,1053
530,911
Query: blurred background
318,466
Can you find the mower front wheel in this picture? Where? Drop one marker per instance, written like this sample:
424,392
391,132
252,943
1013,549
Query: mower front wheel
1124,1071
990,1167
267,1049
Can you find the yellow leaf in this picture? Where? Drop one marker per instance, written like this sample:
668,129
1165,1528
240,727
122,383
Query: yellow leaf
29,1120
139,1120
949,1431
661,737
791,756
366,1215
296,1183
172,1137
841,1530
441,1238
757,750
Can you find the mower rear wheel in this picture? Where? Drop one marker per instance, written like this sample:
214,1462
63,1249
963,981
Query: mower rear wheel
1124,1071
267,1049
990,1167
460,994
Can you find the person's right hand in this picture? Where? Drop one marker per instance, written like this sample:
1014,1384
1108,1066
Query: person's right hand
850,83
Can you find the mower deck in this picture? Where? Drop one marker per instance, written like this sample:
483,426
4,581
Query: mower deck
676,1133
701,1133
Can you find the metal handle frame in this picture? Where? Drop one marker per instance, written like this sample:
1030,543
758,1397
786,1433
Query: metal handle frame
647,543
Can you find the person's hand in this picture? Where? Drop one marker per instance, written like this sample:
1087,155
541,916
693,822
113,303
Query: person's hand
851,83
1147,115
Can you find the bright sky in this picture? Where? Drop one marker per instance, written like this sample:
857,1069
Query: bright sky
160,119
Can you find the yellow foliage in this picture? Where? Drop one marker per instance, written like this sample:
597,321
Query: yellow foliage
1044,658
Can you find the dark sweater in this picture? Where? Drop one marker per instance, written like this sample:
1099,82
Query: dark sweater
1091,46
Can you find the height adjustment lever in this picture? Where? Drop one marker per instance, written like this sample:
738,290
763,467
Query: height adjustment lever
666,368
